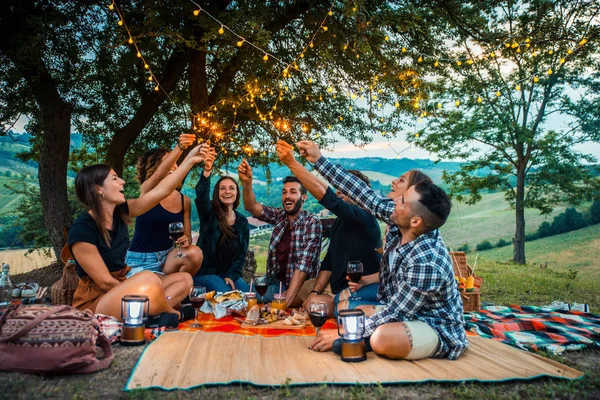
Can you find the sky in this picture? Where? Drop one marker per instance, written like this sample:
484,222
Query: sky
379,146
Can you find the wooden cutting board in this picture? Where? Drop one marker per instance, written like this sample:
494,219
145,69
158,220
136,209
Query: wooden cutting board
274,325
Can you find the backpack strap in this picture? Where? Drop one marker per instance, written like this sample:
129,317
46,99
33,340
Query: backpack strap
32,324
97,365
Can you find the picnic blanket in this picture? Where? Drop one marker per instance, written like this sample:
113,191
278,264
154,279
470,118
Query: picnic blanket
185,360
534,328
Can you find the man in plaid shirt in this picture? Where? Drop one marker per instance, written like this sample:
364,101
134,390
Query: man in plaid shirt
422,315
295,243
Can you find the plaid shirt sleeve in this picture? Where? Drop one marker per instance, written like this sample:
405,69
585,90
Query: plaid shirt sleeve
307,255
356,189
413,291
269,215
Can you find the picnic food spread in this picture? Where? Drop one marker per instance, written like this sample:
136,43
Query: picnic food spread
266,315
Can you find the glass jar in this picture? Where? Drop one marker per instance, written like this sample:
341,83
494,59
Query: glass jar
279,302
251,300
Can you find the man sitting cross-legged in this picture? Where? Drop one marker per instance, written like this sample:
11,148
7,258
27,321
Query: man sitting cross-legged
422,312
355,236
296,239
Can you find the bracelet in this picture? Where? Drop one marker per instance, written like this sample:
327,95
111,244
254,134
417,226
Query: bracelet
179,145
314,291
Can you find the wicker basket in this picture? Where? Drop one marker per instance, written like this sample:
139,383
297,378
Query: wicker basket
471,301
462,269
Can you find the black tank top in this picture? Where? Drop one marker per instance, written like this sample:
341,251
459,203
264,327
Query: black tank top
152,229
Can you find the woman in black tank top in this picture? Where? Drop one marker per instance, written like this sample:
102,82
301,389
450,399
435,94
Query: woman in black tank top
98,240
152,248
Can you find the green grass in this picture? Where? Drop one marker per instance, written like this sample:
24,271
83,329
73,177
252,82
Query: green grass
489,219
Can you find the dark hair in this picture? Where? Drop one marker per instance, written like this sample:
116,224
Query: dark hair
416,176
148,163
220,209
360,176
291,178
433,206
85,188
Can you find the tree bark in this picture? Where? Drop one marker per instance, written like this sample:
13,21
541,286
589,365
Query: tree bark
124,137
54,152
519,240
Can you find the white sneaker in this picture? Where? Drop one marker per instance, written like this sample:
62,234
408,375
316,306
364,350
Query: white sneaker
580,307
557,306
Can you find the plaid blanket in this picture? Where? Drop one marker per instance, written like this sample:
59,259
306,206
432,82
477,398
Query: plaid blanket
532,328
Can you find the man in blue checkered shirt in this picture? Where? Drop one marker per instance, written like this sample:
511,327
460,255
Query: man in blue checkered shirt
422,315
295,243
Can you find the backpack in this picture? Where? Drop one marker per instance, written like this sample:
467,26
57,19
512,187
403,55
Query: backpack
42,339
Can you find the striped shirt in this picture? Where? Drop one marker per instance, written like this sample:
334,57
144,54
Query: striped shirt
419,283
305,242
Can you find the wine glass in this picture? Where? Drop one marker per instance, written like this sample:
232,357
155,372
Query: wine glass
197,297
261,285
355,272
318,312
175,232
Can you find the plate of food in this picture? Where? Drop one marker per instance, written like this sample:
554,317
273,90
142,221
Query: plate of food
274,318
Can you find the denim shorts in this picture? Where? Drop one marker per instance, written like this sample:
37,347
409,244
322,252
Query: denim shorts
152,262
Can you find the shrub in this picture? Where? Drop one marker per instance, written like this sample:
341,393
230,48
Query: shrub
594,213
464,247
544,230
531,236
502,243
568,221
485,245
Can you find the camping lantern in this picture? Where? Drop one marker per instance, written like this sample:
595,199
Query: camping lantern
351,327
134,311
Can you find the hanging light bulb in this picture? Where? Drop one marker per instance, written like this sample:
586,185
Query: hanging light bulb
479,99
221,30
196,12
396,104
111,7
459,63
311,45
536,79
436,63
139,55
498,93
310,80
562,60
420,59
404,49
582,41
549,72
492,54
386,38
130,41
517,87
266,58
120,23
325,28
457,102
240,43
439,105
330,13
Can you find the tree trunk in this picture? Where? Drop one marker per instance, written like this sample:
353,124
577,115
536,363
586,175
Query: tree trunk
124,137
519,240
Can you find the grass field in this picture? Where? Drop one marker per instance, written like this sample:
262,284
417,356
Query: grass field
489,219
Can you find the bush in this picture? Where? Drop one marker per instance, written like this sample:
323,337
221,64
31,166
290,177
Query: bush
502,243
485,245
464,247
594,213
544,230
531,236
568,221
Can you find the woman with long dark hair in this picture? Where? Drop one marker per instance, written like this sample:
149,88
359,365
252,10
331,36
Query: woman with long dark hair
224,232
151,248
98,240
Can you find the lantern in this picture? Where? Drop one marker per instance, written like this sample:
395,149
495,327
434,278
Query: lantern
134,312
351,327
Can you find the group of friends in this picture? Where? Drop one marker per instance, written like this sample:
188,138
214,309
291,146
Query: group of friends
407,292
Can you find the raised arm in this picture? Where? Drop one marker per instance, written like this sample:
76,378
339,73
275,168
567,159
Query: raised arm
348,184
314,185
250,203
202,200
167,185
185,140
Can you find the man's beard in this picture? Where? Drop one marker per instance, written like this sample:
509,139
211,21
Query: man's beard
295,209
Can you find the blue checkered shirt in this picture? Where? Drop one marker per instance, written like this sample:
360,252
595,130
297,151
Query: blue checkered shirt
305,242
419,284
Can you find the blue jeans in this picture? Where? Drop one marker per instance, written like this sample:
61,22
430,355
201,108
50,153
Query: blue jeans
272,289
217,283
366,295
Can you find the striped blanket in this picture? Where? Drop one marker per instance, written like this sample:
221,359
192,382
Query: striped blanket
533,329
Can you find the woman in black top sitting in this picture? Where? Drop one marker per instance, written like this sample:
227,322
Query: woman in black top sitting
98,240
151,248
224,232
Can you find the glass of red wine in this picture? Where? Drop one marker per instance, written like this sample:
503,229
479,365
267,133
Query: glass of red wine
197,297
261,285
318,311
175,232
354,270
